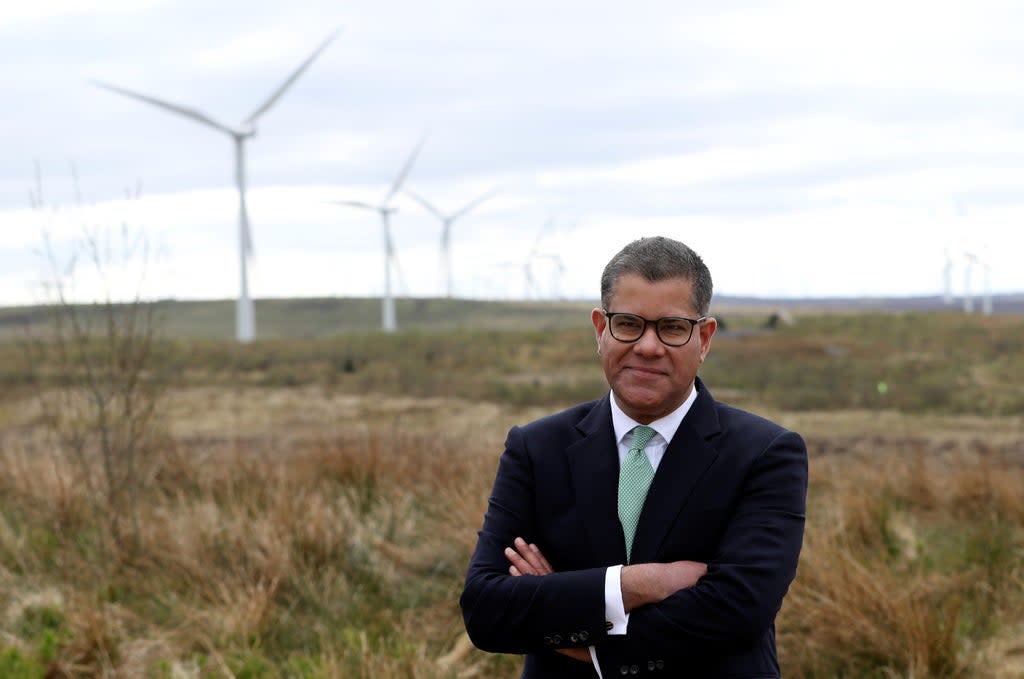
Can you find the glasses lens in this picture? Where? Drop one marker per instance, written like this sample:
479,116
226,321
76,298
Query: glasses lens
627,327
674,330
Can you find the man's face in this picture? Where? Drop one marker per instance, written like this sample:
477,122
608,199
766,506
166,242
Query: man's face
651,379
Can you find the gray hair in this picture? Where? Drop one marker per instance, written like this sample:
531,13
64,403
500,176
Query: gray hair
657,259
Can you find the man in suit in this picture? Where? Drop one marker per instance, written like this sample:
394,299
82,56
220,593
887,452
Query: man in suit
655,531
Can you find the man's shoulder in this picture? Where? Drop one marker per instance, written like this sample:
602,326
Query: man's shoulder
565,419
737,420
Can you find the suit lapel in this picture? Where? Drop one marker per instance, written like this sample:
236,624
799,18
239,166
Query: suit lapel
594,466
686,460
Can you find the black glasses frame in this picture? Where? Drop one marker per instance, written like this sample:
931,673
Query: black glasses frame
657,322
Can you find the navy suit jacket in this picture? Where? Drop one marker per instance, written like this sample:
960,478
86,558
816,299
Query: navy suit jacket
730,491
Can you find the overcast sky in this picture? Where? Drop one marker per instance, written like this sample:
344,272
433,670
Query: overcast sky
803,148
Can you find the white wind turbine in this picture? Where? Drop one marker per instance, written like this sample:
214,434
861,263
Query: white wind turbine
529,280
446,231
245,322
970,259
986,299
947,277
980,257
385,210
558,269
530,287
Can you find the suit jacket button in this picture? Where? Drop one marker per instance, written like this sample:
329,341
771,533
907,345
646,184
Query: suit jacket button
574,637
650,665
660,664
633,669
557,639
547,640
584,635
624,670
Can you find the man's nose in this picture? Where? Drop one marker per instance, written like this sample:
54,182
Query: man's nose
649,342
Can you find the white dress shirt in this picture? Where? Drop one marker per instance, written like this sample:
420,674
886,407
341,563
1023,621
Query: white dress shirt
615,610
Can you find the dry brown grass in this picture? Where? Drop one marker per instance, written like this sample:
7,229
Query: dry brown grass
299,533
911,564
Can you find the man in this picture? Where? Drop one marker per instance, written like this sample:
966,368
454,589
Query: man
655,531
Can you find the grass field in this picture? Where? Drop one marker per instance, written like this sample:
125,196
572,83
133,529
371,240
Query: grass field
308,502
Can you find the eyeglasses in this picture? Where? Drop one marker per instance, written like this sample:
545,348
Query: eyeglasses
671,330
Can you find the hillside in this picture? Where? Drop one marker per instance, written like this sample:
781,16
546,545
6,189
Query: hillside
325,317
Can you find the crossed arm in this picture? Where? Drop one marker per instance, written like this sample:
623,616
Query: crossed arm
645,583
514,602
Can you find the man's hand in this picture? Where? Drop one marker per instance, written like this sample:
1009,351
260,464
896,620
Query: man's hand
527,559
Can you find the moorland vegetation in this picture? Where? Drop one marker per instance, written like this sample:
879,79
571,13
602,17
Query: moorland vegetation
305,506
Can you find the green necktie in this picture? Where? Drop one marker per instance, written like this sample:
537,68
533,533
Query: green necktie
634,480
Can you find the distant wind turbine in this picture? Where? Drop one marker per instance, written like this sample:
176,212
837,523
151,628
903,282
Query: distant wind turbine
947,277
385,210
556,273
530,286
986,300
970,260
245,323
446,231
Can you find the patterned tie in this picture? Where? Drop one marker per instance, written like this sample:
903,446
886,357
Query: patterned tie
634,480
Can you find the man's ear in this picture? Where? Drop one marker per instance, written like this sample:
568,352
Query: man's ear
707,331
600,322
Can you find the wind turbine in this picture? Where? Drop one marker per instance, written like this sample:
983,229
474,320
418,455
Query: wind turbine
529,280
947,277
385,210
556,272
245,323
446,230
970,260
986,299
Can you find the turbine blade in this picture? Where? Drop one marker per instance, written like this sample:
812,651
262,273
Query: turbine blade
173,108
354,203
540,234
423,201
405,171
473,204
277,94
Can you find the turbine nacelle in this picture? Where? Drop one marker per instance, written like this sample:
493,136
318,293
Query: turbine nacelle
246,130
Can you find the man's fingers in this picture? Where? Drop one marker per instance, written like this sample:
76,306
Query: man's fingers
531,554
527,559
540,558
518,562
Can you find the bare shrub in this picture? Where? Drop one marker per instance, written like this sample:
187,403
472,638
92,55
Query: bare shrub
95,377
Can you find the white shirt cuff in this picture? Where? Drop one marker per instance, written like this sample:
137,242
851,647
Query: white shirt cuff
593,659
614,610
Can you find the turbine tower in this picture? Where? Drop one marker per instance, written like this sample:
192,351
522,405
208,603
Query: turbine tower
986,299
970,260
947,277
557,271
529,280
385,210
245,322
446,231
